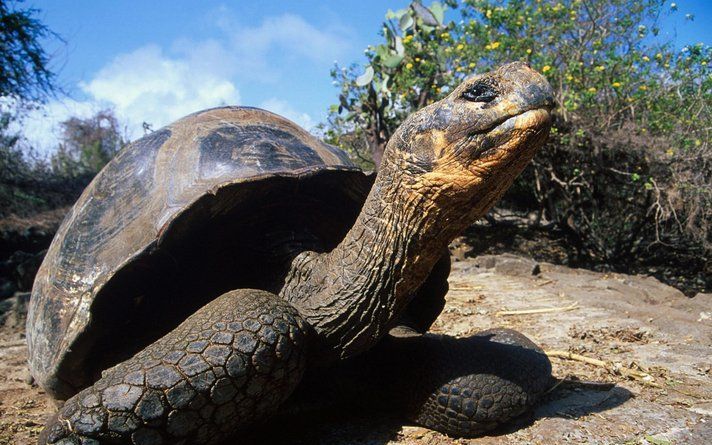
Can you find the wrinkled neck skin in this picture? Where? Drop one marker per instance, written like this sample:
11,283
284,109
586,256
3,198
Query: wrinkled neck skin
352,295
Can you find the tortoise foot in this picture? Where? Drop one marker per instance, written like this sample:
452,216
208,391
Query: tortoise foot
230,364
481,382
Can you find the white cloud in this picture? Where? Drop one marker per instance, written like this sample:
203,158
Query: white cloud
291,33
156,85
283,108
146,85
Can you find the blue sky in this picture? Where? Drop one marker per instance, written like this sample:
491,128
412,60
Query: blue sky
158,60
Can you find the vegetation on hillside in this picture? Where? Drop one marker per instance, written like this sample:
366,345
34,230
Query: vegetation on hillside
626,177
625,181
28,183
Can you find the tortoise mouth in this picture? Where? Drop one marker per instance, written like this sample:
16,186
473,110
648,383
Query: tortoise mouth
533,118
504,134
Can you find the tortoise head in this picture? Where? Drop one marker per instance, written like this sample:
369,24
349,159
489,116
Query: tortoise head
478,138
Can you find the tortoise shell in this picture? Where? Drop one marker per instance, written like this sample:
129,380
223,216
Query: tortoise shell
221,199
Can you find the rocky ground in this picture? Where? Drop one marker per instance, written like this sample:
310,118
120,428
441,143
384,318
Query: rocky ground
633,356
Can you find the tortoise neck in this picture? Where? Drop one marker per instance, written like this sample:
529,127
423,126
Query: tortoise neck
353,294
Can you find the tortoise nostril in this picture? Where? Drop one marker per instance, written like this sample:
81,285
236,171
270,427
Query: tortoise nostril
480,92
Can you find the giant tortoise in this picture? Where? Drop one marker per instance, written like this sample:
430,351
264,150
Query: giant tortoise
212,260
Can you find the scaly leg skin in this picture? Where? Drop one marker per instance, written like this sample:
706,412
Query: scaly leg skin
462,387
230,364
479,383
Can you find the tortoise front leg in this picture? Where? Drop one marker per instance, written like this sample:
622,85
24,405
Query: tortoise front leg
230,364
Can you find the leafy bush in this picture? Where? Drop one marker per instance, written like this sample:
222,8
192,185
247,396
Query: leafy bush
29,184
627,173
87,144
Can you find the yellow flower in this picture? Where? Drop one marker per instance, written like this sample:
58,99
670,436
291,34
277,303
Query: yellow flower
659,56
600,68
592,90
460,47
529,50
569,77
698,142
472,65
408,38
616,84
488,13
670,152
643,88
546,68
646,59
409,65
445,35
495,45
417,59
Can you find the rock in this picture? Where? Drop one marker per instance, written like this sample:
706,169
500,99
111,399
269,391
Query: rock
13,311
25,267
19,270
508,264
7,289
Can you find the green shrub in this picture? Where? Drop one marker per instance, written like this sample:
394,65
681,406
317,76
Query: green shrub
627,172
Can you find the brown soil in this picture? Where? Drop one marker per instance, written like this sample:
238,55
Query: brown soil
632,322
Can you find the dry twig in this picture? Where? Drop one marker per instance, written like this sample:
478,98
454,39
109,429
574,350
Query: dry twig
611,367
546,310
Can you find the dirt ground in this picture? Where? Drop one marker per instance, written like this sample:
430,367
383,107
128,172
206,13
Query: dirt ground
633,325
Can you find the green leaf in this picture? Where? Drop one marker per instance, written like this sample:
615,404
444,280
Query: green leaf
382,51
405,22
400,49
424,14
395,15
392,60
438,11
365,78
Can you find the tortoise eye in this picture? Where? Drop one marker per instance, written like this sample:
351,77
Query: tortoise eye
480,92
